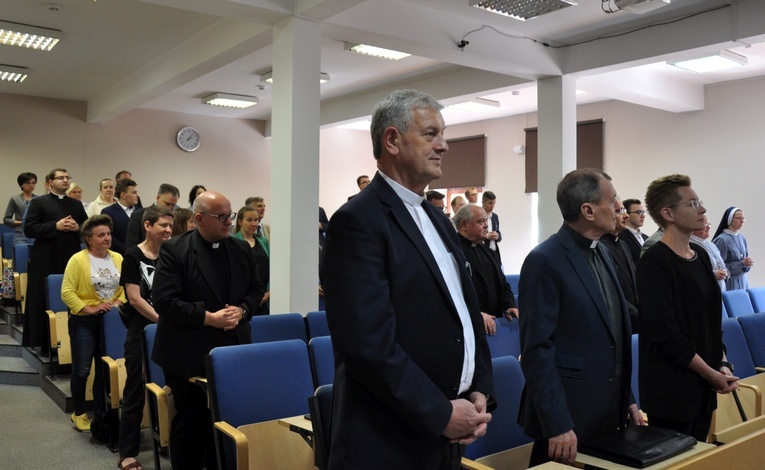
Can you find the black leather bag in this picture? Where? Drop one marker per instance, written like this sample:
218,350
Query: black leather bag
637,446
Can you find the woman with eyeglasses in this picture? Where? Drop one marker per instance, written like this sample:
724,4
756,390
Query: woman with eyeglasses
733,248
682,359
247,221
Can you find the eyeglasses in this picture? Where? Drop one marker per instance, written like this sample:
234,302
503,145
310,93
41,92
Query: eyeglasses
63,178
742,219
638,212
621,211
693,204
222,217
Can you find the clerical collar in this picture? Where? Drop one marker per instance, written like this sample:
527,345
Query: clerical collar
60,196
209,245
405,194
580,239
465,241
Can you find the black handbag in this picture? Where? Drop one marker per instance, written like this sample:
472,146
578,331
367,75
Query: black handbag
637,446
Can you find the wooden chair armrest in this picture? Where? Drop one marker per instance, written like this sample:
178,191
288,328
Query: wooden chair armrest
17,286
473,465
759,370
739,430
114,381
240,441
757,397
163,412
53,333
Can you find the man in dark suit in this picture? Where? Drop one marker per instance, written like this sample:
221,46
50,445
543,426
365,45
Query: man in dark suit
127,197
53,220
495,296
623,265
167,196
488,200
205,289
631,234
575,331
413,370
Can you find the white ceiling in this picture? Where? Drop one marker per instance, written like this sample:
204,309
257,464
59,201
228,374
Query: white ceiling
167,54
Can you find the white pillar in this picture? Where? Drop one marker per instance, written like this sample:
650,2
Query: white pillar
295,166
557,146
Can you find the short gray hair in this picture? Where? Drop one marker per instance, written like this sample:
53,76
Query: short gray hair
396,110
579,187
465,213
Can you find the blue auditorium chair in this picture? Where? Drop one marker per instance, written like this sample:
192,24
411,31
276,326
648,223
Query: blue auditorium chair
737,303
317,324
279,327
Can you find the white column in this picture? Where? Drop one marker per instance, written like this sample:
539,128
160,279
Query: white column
295,166
557,146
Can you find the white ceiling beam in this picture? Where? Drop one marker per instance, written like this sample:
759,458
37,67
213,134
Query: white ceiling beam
456,82
181,64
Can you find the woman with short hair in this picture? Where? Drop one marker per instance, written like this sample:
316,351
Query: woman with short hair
17,205
90,289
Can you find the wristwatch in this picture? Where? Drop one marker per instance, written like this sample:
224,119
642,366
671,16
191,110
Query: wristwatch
244,315
727,364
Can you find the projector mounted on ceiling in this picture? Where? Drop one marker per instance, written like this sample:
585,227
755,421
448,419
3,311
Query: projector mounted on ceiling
640,6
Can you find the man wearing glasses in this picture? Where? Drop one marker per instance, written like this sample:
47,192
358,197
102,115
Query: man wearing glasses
205,289
54,221
632,235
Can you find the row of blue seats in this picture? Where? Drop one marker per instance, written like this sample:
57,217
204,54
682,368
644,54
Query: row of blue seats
744,301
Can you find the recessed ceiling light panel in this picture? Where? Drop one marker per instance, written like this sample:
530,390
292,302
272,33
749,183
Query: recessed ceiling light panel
228,100
11,73
28,36
522,9
375,51
711,62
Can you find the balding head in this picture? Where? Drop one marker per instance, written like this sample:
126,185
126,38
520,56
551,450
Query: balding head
209,208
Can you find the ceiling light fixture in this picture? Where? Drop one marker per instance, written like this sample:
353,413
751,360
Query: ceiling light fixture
522,9
711,62
375,51
12,73
475,104
228,100
268,77
25,35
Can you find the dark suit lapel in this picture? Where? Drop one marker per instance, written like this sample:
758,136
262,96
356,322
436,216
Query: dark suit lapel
404,220
575,257
206,268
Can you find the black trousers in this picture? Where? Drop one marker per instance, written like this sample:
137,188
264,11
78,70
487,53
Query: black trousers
134,395
192,443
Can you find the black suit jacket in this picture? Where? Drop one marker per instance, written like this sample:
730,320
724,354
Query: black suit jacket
567,343
495,295
625,273
396,333
120,225
185,286
135,233
632,244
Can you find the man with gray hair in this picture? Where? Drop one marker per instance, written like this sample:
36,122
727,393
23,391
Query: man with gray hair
413,370
575,330
495,296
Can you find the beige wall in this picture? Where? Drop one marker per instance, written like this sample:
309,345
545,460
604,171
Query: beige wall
721,148
40,134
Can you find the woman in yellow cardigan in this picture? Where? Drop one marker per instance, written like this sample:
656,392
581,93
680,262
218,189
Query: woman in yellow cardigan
90,289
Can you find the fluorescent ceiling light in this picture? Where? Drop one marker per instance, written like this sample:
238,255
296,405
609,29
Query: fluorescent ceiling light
475,104
268,77
710,63
522,9
375,51
31,37
11,73
230,101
